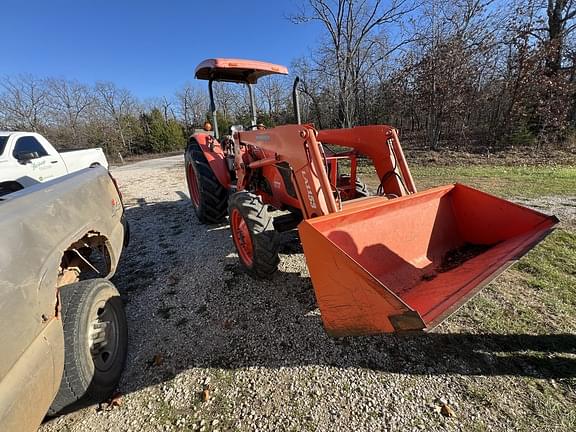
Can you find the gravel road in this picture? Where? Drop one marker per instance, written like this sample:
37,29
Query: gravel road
211,349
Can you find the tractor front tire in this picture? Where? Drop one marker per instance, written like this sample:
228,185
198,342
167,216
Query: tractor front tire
209,198
254,236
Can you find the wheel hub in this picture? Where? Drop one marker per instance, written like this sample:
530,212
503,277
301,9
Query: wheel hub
103,336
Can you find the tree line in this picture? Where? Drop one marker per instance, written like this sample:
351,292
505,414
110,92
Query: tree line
463,74
76,115
448,73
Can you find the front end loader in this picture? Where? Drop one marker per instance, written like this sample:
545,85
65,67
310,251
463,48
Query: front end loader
397,261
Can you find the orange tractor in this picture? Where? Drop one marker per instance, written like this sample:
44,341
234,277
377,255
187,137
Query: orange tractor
400,261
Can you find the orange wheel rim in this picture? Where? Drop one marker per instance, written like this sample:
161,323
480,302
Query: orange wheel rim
193,185
241,236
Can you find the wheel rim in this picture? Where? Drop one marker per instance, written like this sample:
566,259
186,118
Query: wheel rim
193,185
103,335
242,239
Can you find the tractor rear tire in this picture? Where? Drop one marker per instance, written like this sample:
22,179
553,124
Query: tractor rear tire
254,236
209,198
361,189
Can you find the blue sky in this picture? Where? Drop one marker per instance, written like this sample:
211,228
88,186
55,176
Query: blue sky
150,47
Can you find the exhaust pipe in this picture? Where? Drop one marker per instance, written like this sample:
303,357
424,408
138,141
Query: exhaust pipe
296,100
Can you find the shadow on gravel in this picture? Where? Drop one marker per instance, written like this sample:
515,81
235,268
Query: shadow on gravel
190,304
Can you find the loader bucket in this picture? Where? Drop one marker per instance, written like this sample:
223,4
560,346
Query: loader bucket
406,264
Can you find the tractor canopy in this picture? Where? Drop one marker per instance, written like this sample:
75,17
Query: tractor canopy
236,70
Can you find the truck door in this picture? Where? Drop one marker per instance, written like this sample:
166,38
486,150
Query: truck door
36,162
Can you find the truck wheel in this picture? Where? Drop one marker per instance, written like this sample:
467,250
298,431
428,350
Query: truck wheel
209,197
95,342
254,236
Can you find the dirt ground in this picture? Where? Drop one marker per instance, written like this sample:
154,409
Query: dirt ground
197,322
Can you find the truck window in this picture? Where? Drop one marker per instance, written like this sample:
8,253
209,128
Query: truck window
3,140
29,144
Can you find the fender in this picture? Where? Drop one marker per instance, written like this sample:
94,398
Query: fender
215,156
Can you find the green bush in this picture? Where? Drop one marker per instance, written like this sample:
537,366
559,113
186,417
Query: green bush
522,137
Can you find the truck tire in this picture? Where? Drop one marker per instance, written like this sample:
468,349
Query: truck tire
254,236
209,198
92,313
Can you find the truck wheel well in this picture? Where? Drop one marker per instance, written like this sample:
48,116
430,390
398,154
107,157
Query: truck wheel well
87,258
9,187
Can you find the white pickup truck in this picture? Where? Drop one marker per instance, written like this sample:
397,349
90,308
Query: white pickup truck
27,158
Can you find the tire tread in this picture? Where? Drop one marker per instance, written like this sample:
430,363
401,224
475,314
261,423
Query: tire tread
213,206
265,239
74,301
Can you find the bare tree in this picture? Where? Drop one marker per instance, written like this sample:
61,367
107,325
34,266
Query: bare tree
273,95
353,28
558,25
69,103
192,106
312,109
118,104
23,102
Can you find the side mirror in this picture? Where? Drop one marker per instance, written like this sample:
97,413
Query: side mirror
25,157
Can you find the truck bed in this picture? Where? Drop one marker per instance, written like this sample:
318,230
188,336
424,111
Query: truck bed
78,159
54,214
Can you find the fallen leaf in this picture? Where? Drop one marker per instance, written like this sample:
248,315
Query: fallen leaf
205,395
157,360
228,323
115,400
447,411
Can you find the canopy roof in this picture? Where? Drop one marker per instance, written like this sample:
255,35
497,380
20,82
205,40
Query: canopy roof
236,70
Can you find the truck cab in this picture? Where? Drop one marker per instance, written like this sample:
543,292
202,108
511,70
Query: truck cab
27,158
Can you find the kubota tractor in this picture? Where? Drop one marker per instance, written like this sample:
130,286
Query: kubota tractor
401,260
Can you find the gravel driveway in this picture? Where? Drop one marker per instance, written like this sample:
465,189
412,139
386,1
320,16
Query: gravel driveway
211,349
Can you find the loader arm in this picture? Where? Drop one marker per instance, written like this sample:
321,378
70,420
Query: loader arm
297,145
381,144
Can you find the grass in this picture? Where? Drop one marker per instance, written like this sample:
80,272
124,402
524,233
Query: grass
537,296
550,271
520,181
507,181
